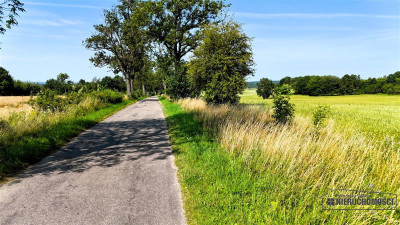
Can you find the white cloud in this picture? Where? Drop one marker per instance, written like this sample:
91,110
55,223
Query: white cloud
312,15
53,23
63,5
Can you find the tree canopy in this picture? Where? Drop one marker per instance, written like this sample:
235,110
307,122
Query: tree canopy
121,43
6,82
265,88
221,63
176,24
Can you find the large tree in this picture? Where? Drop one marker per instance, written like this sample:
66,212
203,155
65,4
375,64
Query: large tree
8,11
6,82
121,43
265,88
176,24
220,65
176,27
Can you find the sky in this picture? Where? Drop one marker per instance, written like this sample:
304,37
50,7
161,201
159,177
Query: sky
290,38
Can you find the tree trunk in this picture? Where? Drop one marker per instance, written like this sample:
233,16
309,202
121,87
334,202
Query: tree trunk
128,86
144,90
165,86
132,87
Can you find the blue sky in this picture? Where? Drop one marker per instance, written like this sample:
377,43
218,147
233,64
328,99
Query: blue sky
291,38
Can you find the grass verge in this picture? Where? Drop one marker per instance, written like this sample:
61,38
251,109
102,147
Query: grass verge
239,186
217,187
33,147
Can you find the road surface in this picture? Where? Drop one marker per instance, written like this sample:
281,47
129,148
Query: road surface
120,171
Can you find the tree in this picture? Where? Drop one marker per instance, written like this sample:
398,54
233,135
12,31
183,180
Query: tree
176,26
264,88
8,11
286,80
116,83
393,78
62,77
301,85
25,88
178,84
349,84
6,82
219,66
121,43
59,85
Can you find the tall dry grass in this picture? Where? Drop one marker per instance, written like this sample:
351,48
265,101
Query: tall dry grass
12,104
19,122
310,162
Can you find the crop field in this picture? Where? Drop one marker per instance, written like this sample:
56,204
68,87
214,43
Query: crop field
377,116
10,104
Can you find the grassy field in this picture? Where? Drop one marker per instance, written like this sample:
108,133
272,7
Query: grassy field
238,166
375,115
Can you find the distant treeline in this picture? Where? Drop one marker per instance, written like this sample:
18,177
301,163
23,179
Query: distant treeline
253,84
61,85
347,85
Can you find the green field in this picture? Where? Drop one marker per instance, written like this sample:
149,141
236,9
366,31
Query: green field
236,165
375,115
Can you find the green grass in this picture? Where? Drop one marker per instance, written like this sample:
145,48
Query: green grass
232,187
34,146
217,187
377,116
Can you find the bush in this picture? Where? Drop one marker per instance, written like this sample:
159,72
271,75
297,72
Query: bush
283,109
320,115
285,89
108,96
47,100
75,97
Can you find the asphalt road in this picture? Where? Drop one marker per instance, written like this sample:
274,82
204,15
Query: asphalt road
120,171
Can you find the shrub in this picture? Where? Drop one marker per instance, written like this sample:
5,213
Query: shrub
283,109
285,89
75,97
108,96
320,115
47,100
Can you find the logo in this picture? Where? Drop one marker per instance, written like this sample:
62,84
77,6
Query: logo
343,199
